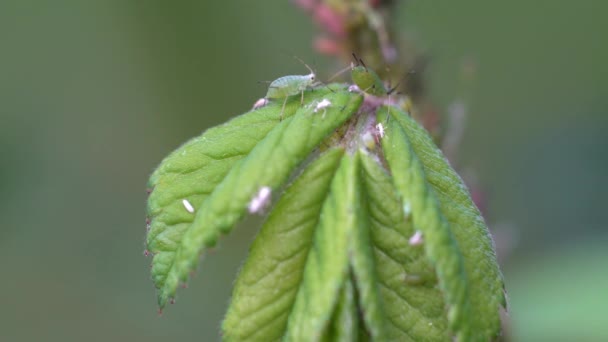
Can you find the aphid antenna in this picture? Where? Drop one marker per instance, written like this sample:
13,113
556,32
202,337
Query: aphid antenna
338,73
390,91
358,60
306,65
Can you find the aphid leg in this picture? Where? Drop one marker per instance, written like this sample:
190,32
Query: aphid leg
302,99
339,73
283,109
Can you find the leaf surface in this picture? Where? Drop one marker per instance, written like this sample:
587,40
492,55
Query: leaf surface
456,239
327,266
269,164
192,172
345,321
267,285
364,266
414,310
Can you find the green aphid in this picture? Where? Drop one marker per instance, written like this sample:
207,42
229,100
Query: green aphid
286,86
367,80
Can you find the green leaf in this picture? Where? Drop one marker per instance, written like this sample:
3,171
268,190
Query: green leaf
192,172
327,267
269,164
364,271
345,320
413,311
267,285
455,237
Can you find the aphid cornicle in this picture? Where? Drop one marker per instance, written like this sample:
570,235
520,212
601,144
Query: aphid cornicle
286,86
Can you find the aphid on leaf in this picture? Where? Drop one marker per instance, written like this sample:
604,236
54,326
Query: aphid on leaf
188,206
367,80
286,86
260,200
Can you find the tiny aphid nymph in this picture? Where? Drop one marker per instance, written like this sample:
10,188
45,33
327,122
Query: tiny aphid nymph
260,200
188,206
380,130
322,106
260,103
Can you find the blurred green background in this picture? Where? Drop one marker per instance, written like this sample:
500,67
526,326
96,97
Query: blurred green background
93,94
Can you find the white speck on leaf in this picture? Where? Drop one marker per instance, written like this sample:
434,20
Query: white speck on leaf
188,206
261,199
380,130
260,103
416,239
354,89
322,105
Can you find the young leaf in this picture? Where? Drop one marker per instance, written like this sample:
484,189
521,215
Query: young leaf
327,267
345,320
267,285
364,270
268,165
456,238
413,310
192,172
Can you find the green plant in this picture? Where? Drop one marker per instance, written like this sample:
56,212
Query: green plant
373,235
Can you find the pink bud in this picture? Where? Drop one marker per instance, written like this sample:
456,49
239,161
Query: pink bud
327,46
306,5
331,20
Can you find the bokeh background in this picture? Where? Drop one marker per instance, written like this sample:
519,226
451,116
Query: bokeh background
93,94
